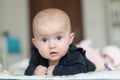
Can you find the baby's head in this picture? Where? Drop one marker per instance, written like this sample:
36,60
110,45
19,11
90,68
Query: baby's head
52,33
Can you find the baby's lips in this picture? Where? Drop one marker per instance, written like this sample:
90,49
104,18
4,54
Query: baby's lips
53,53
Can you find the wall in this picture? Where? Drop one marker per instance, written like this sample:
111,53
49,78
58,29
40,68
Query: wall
95,22
113,21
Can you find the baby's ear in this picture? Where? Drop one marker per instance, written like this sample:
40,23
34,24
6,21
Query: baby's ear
34,42
72,35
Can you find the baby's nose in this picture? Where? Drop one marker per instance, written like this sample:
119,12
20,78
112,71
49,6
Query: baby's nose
52,45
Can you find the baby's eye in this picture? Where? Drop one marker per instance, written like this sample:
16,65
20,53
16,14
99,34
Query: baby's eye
44,39
59,37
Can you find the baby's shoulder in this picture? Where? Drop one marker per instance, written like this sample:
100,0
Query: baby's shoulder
76,50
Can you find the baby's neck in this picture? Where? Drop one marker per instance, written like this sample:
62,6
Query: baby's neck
53,63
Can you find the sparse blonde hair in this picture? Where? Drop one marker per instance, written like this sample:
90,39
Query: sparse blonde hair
50,13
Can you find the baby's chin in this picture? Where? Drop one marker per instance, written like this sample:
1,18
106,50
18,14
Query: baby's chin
54,58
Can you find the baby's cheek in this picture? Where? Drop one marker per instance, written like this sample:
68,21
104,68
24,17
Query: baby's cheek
44,53
64,50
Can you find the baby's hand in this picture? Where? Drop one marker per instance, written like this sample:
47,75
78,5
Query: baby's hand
40,70
50,70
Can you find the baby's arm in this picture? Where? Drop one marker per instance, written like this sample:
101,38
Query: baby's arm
69,70
76,64
40,70
35,61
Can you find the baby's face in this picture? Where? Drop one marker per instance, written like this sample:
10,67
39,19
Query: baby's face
52,38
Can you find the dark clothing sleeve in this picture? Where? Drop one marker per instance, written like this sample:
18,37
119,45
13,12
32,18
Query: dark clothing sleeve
35,60
74,63
90,66
31,67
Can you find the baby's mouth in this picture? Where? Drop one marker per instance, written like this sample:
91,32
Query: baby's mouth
53,54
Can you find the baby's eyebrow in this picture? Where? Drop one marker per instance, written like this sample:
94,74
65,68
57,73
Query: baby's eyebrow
59,32
39,36
42,34
45,35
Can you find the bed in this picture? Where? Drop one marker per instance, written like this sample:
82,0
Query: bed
91,75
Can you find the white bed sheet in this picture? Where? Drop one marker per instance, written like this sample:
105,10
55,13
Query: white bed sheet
91,75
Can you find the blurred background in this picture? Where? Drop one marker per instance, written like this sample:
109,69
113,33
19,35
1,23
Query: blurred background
98,20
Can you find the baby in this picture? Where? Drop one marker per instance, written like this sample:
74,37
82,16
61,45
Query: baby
54,53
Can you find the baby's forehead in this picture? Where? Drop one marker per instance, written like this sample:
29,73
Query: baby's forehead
50,14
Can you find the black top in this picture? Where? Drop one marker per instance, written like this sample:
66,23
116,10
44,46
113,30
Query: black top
73,62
